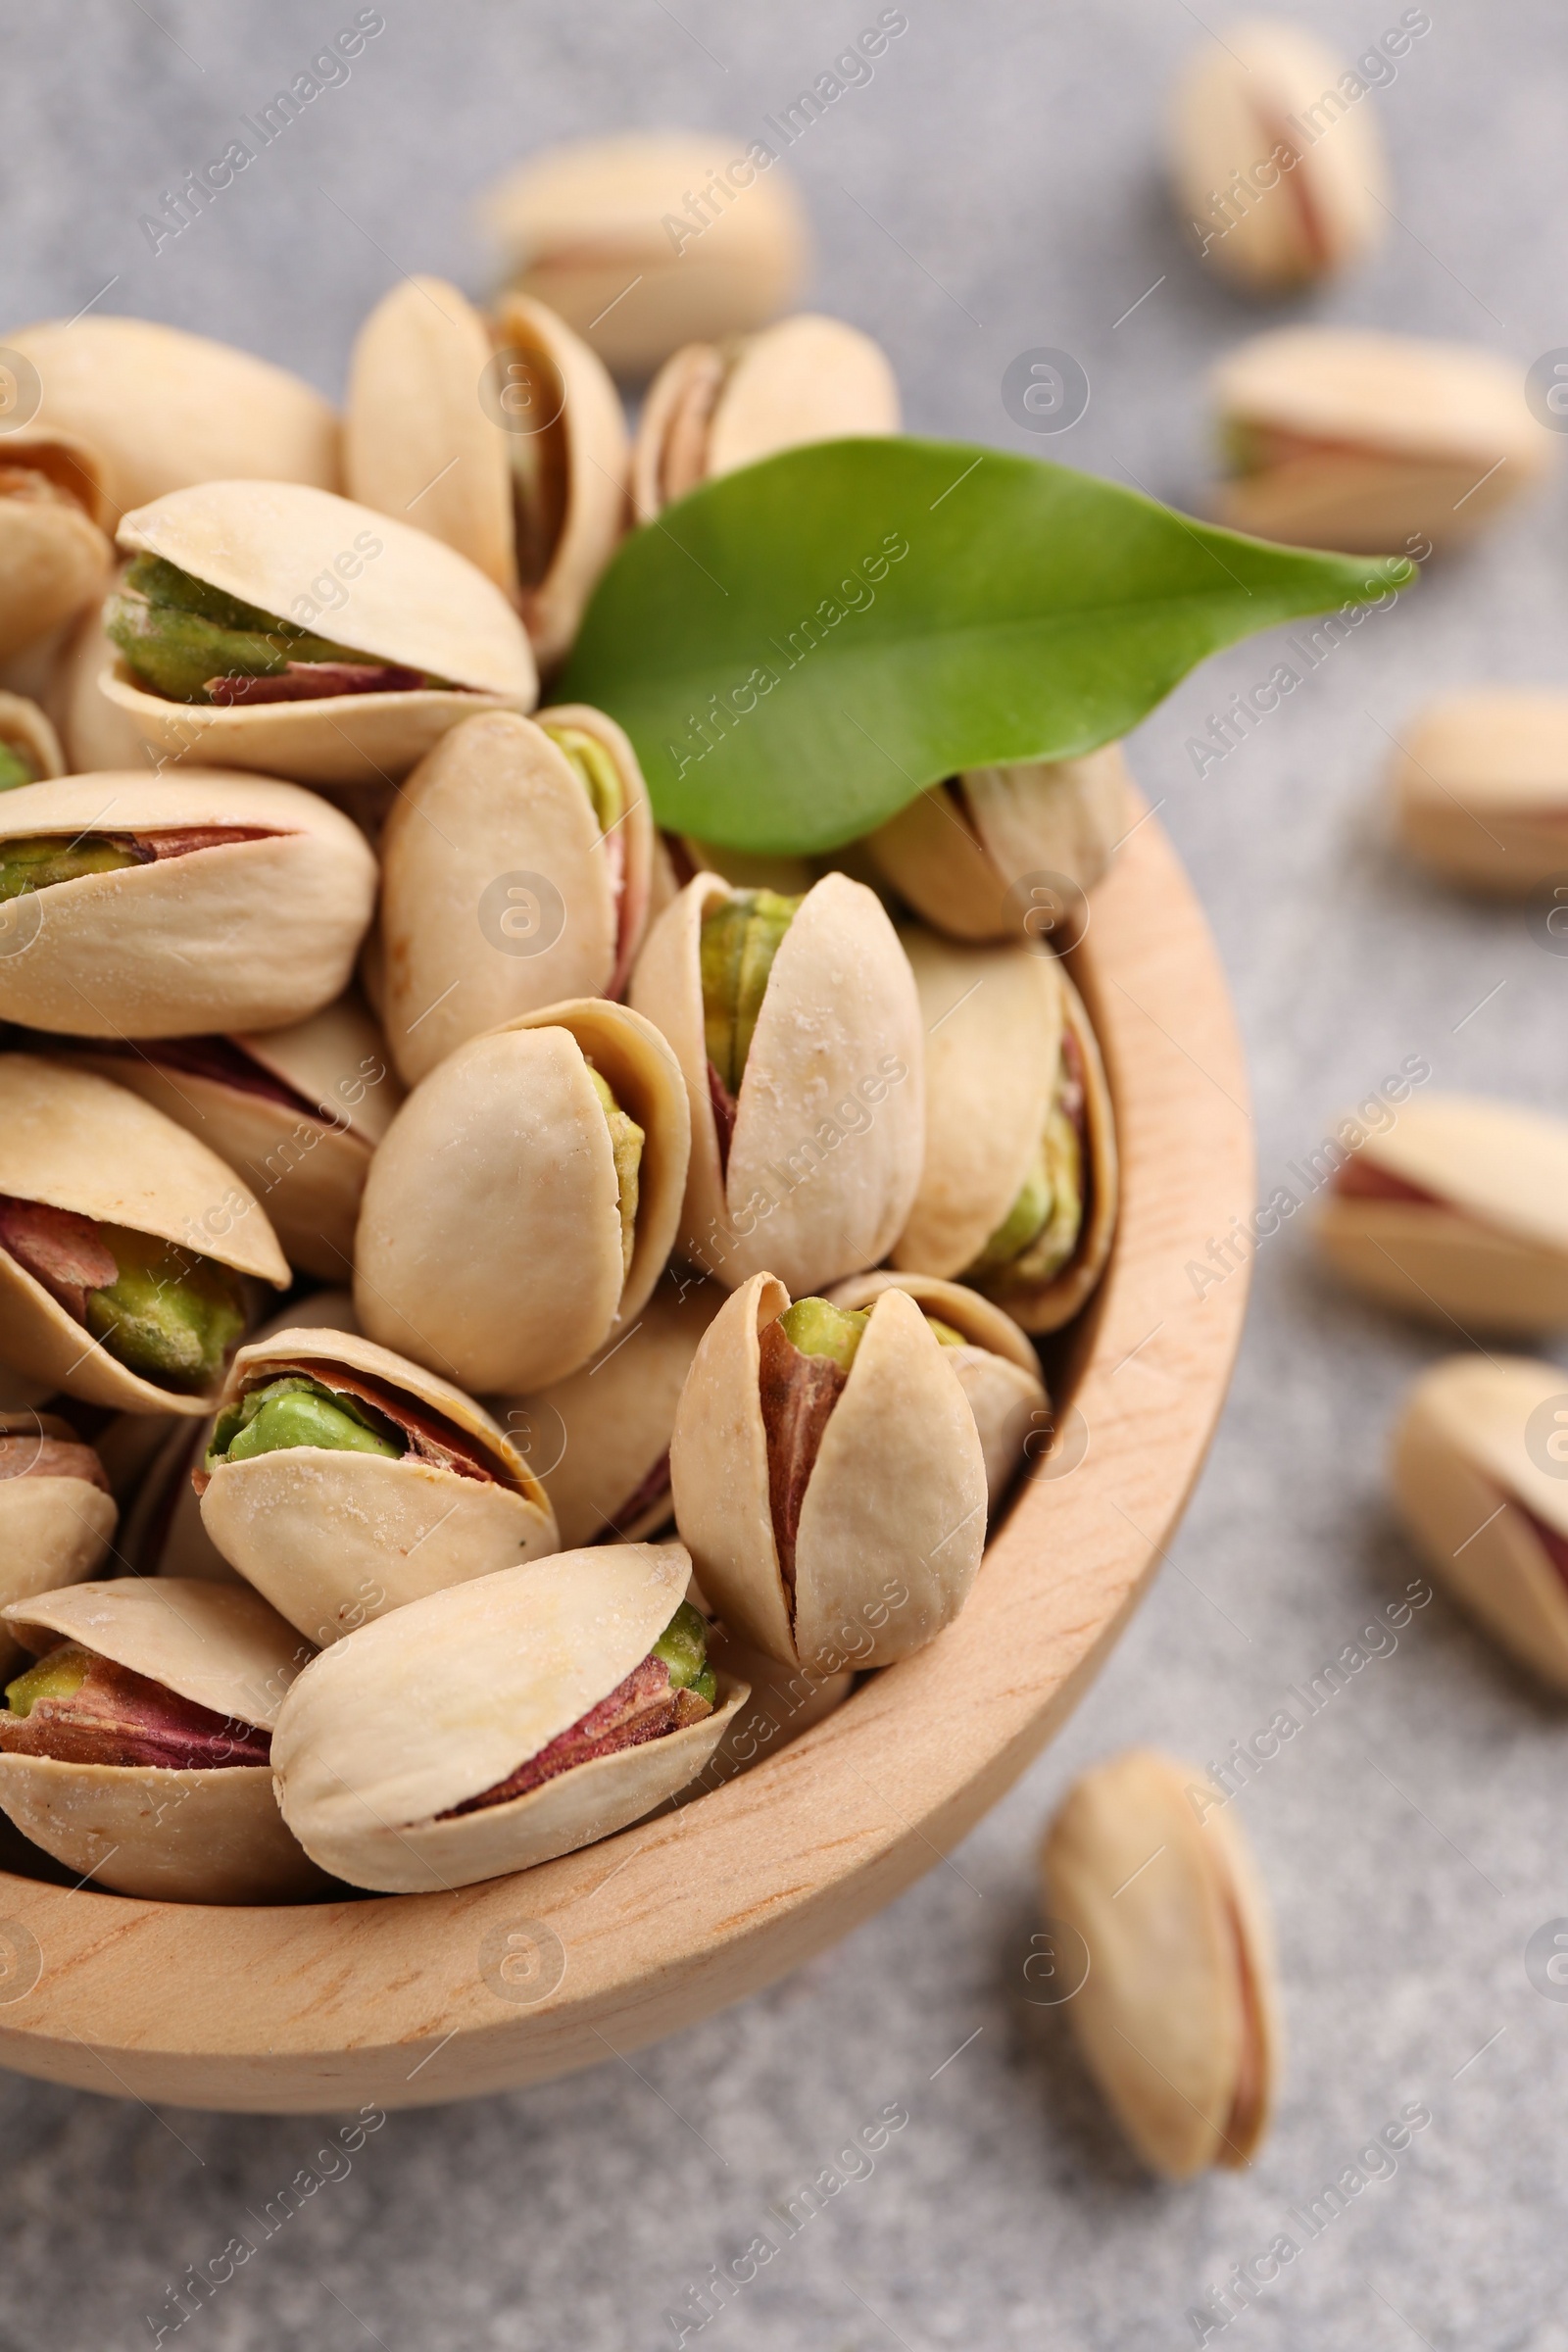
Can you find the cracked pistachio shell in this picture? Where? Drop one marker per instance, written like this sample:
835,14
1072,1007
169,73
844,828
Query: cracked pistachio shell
72,1141
1369,441
333,1539
1178,2017
714,407
56,1527
897,1493
1488,1249
1291,221
168,1835
490,1237
1480,789
24,728
1479,1466
598,1437
997,1368
242,935
55,556
368,581
498,803
824,1157
956,855
994,1018
417,1713
606,233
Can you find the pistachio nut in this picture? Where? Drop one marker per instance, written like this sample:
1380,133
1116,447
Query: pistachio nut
828,1478
525,1199
958,852
1275,195
994,1364
650,240
94,731
502,1722
57,1514
125,1245
714,407
798,1032
137,1750
161,410
55,556
516,869
1479,788
599,1439
503,437
1344,438
1178,2016
1459,1213
29,748
271,626
1019,1187
785,1701
138,905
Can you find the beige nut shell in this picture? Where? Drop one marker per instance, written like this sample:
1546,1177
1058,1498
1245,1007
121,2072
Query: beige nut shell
54,557
444,1700
334,1539
95,732
24,728
957,866
897,1494
1178,2014
489,1243
54,1528
805,1194
1480,789
497,796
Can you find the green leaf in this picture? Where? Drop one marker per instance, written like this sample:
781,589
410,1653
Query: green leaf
798,648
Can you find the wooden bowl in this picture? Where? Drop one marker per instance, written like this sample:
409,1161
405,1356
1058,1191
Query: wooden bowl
418,1998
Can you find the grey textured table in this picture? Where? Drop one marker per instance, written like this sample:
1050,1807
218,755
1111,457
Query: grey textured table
996,186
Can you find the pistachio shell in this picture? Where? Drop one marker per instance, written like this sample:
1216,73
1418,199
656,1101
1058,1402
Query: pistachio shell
24,728
1178,2014
169,1836
955,852
54,555
377,584
1235,105
823,1161
1490,1249
1371,441
72,1140
1479,788
56,1528
242,935
433,1705
897,1493
490,1240
163,410
497,796
609,234
96,733
334,1539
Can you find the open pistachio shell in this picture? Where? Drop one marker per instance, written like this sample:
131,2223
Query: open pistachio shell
823,1160
368,581
73,1142
894,1503
1178,2017
54,557
648,240
163,410
94,731
57,1514
957,852
491,1239
235,935
501,893
335,1538
1479,1465
390,1729
714,408
168,1834
1457,1213
1347,438
599,1439
1480,787
27,733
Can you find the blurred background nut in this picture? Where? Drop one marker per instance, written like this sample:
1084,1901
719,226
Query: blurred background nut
1479,1466
1480,789
57,1514
648,241
55,553
1277,162
29,748
1340,437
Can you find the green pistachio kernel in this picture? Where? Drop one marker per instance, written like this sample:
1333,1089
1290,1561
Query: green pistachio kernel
626,1141
171,1315
945,1335
740,936
596,771
683,1646
44,859
175,632
296,1410
60,1675
1040,1232
815,1327
16,767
